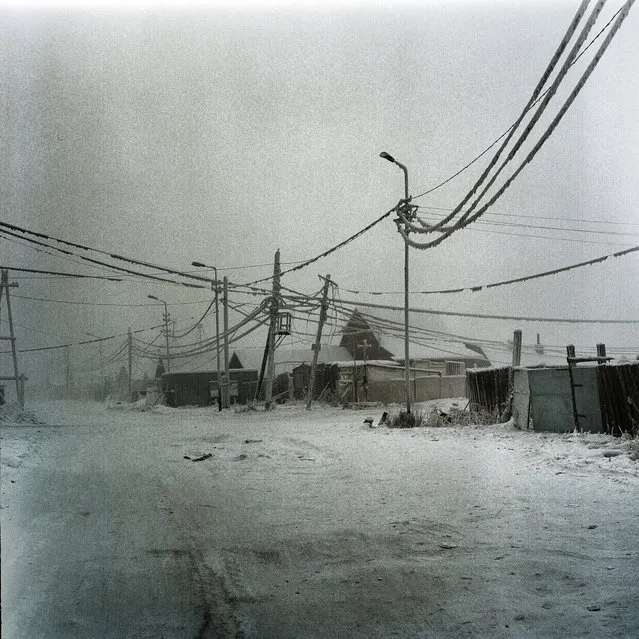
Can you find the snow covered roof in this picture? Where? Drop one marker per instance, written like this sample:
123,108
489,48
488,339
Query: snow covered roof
429,339
286,359
433,349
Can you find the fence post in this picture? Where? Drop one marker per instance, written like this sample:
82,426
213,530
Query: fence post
570,355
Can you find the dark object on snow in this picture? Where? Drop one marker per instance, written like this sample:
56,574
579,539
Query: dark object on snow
383,419
369,421
202,458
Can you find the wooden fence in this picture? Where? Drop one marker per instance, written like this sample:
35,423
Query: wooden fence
488,388
618,387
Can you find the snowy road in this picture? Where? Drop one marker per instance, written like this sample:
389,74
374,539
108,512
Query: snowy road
311,525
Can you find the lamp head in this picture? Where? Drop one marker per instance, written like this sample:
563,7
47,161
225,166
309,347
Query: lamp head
387,156
198,264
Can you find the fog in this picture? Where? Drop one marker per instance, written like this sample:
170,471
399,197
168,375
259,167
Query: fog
220,135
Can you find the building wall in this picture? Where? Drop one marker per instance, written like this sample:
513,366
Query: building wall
423,389
199,388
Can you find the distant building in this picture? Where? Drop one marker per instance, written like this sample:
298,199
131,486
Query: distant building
379,335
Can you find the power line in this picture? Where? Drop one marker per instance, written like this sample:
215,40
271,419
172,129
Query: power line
537,93
512,126
329,251
555,228
466,218
515,280
486,316
82,303
540,217
79,343
73,275
99,262
574,240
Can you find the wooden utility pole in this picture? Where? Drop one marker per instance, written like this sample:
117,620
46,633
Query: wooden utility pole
275,304
318,338
130,345
365,346
67,371
217,342
226,380
517,335
19,379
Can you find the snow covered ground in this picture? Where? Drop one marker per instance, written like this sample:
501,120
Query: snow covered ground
313,524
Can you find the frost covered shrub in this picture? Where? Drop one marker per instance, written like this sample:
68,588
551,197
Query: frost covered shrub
633,448
438,418
407,420
477,416
245,408
461,417
16,414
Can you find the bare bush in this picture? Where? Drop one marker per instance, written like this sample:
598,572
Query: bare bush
404,419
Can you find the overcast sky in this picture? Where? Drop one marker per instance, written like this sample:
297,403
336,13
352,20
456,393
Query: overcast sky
220,135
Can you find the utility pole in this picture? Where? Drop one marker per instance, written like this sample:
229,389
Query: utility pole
67,372
99,340
318,338
215,286
101,371
407,213
217,342
365,346
225,391
166,317
19,379
166,335
130,345
275,301
355,395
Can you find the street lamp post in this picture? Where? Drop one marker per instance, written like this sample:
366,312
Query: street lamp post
390,158
165,317
217,332
101,367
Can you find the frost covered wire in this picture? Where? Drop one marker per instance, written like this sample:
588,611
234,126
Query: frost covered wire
488,316
117,356
505,133
114,256
231,341
73,275
24,242
541,227
441,225
99,262
535,94
466,218
80,342
190,330
515,280
329,251
208,345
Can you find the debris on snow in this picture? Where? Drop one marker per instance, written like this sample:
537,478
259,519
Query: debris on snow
200,458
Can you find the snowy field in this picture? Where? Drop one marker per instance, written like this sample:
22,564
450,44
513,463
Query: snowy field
312,524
